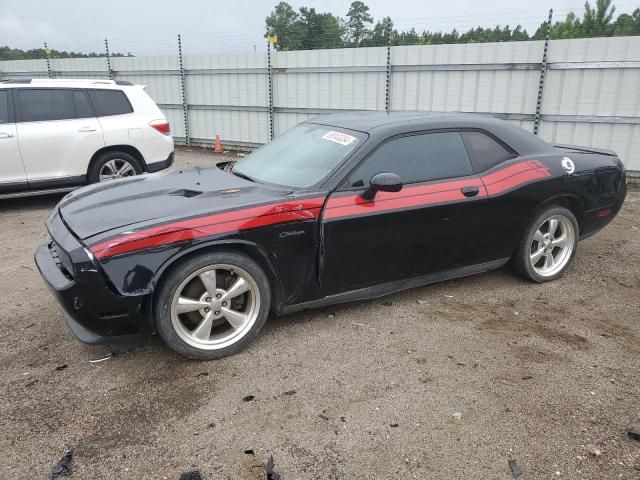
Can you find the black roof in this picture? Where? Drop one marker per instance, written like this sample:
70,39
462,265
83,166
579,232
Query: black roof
382,124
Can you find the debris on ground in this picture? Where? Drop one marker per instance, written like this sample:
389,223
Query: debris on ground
212,425
323,417
248,398
516,469
249,451
102,358
202,374
456,415
423,302
394,425
31,383
634,432
637,467
63,467
290,392
192,475
271,474
595,451
59,368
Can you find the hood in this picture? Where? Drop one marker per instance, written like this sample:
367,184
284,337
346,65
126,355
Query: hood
147,199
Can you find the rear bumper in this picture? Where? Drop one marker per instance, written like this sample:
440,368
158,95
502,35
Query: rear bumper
92,311
161,165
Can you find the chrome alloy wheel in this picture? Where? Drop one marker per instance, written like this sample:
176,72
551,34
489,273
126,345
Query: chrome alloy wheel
552,245
215,306
116,168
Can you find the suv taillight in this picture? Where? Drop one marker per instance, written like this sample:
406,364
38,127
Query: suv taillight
161,126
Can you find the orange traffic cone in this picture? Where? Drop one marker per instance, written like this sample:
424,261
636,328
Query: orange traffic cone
218,145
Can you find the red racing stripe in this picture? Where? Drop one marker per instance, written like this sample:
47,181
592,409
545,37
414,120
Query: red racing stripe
226,222
494,183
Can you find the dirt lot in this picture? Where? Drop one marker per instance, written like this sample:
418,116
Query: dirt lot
540,373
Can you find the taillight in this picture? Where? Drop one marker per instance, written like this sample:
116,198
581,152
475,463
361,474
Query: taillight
161,126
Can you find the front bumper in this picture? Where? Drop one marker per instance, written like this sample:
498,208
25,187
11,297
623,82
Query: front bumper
93,312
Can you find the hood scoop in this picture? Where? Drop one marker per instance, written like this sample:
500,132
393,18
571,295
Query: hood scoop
184,192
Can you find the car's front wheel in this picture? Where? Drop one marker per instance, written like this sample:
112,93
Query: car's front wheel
548,246
212,305
113,165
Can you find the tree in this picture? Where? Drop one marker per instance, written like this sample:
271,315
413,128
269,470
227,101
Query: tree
284,22
323,30
597,22
358,18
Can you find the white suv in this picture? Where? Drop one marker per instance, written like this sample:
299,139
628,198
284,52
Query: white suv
59,134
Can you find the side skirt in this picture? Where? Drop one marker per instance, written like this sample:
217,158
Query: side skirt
393,287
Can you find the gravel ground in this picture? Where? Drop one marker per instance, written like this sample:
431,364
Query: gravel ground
539,373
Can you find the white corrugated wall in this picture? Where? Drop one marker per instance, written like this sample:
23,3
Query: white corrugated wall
591,93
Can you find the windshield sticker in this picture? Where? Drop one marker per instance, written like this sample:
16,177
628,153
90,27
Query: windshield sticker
339,137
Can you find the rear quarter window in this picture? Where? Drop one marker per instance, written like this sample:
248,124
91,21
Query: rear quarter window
4,106
110,102
485,152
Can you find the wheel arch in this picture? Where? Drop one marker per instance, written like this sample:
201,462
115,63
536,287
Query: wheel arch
570,201
250,249
133,151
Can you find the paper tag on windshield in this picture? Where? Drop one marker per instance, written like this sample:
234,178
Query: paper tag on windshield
339,137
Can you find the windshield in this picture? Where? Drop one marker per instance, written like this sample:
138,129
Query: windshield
300,157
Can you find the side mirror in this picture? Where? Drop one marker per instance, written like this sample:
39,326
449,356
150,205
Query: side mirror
382,182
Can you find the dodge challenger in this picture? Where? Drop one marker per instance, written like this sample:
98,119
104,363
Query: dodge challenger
339,208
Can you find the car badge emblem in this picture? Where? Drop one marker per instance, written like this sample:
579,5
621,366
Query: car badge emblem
568,165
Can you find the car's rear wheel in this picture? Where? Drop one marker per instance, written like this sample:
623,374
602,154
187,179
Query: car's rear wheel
112,166
212,305
548,246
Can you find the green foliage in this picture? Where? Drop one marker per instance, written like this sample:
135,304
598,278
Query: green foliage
358,19
7,53
308,29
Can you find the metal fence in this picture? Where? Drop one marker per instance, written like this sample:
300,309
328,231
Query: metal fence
586,92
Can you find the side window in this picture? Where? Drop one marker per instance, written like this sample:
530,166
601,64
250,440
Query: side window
416,158
46,104
81,102
110,102
485,151
4,106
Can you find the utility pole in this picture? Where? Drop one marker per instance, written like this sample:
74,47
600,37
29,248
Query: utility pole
46,54
106,49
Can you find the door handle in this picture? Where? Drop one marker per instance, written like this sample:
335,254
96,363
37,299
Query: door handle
87,129
6,135
470,191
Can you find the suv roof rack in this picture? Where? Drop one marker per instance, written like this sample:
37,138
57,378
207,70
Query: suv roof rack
26,81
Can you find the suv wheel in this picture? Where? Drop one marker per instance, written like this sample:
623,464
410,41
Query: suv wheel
114,165
212,305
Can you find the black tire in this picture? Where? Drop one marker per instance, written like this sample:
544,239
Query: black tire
522,260
94,170
174,279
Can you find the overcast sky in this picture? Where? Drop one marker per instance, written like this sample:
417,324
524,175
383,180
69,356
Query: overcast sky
150,26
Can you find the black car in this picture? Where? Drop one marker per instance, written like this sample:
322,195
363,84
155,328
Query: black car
339,208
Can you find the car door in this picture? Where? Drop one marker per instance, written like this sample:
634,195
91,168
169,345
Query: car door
427,227
58,134
12,174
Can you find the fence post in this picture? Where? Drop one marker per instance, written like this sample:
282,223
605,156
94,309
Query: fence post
543,73
46,54
270,91
106,49
387,100
183,90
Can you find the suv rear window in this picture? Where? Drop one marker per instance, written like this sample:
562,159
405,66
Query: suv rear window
485,151
37,105
110,102
4,106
